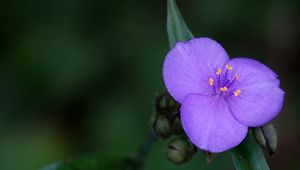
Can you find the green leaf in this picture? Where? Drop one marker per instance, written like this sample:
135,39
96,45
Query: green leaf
248,155
177,29
94,162
108,160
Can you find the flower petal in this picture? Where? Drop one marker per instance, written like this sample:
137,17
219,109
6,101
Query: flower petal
209,124
261,98
188,67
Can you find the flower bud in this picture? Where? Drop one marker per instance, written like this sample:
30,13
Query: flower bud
166,125
162,126
180,150
177,127
165,120
266,137
259,137
165,104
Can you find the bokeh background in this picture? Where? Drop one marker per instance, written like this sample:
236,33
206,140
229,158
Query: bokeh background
79,76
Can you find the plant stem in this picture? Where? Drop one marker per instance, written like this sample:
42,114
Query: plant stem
145,149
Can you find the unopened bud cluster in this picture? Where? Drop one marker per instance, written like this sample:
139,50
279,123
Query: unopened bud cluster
165,119
166,122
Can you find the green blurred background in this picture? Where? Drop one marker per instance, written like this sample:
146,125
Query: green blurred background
79,76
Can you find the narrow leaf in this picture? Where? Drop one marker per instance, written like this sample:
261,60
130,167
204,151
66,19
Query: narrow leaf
177,29
248,155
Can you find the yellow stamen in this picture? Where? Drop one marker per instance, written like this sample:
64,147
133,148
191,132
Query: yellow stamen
236,76
211,81
223,88
228,67
219,71
236,93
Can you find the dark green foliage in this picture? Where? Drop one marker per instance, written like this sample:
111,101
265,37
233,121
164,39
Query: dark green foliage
248,155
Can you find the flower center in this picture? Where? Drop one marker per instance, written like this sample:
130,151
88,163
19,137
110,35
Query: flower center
224,82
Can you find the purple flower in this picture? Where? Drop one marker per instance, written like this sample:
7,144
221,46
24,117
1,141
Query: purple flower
220,97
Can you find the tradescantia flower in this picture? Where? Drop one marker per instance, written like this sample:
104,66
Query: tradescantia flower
220,97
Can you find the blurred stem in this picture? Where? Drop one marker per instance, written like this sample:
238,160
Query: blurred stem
145,149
